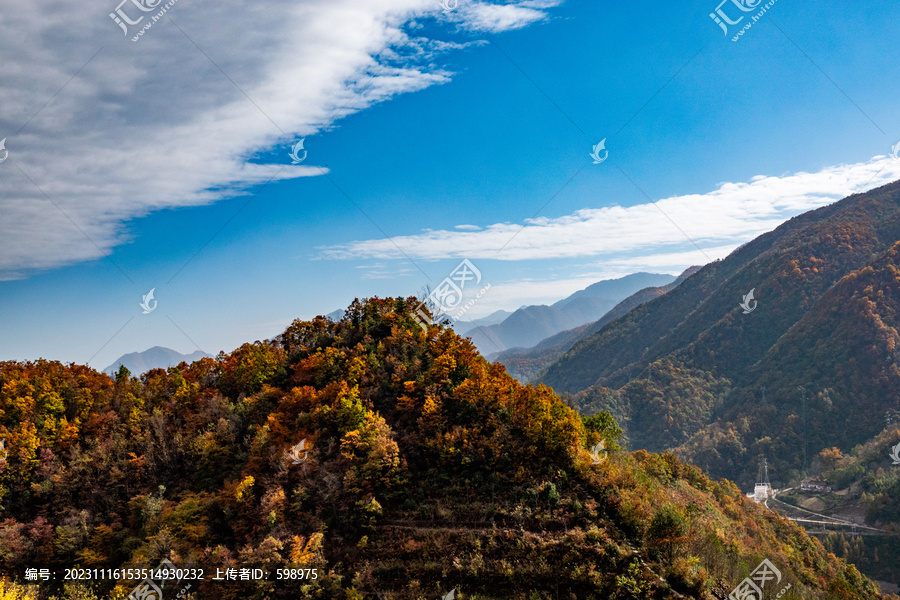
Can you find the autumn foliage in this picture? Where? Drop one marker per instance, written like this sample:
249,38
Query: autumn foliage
422,468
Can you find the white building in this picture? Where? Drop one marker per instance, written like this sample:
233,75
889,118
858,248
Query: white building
763,490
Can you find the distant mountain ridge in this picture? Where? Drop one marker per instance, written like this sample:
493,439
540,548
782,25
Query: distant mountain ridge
156,357
525,363
463,327
529,325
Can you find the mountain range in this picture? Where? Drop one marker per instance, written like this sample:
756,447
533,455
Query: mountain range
692,370
525,363
530,325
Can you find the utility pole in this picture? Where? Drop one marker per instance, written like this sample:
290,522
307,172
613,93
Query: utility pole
763,475
649,366
805,435
763,488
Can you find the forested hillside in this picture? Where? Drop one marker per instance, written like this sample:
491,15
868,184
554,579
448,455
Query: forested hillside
861,488
423,469
693,369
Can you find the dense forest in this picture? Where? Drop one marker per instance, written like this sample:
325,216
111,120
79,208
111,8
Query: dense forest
392,462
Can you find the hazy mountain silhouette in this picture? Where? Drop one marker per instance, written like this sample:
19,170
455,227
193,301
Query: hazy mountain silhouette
464,327
530,324
525,363
156,357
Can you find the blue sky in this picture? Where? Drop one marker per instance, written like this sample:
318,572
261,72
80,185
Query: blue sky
432,136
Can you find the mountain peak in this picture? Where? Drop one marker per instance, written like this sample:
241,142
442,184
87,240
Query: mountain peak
157,357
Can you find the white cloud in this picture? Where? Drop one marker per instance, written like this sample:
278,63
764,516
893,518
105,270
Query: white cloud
512,294
724,218
157,124
483,16
665,262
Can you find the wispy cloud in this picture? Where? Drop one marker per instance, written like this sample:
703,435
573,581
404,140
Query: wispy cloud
511,294
494,18
717,221
384,271
191,113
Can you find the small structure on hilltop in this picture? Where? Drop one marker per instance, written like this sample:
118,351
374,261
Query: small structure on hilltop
813,485
762,490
